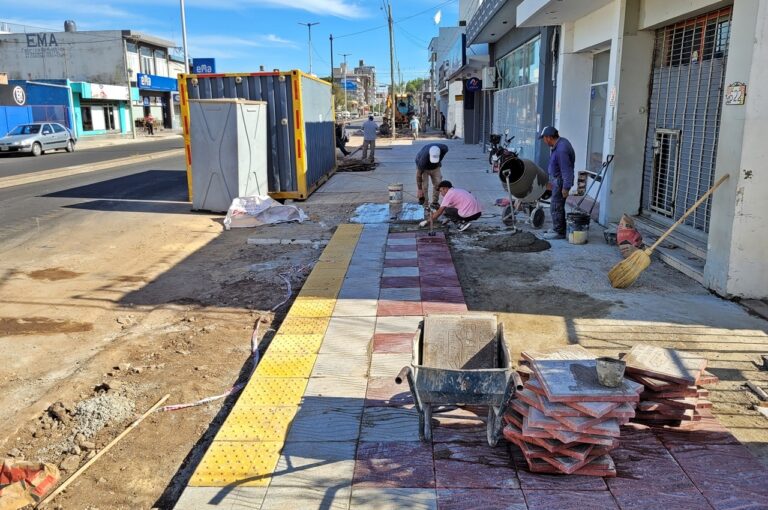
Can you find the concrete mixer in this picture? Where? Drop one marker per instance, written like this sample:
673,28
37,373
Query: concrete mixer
526,185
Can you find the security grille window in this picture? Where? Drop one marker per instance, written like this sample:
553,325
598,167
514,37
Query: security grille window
515,103
684,117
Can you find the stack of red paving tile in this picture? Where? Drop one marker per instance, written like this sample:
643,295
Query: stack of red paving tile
672,381
564,420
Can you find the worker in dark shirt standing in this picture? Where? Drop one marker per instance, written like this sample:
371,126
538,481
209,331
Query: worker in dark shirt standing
561,161
428,162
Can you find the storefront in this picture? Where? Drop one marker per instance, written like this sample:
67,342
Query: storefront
100,109
157,96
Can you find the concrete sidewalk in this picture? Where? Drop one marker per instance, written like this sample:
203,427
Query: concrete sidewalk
95,142
321,423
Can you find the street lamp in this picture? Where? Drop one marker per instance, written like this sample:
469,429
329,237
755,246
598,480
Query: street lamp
309,48
184,38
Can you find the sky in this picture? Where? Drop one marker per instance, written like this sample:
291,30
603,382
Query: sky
244,34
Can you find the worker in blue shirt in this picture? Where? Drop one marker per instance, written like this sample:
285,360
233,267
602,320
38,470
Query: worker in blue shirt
561,161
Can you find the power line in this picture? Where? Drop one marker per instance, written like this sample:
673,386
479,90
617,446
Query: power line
378,27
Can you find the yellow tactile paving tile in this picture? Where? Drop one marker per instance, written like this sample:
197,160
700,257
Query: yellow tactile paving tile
304,326
257,424
284,364
295,343
272,391
242,463
320,292
311,306
348,228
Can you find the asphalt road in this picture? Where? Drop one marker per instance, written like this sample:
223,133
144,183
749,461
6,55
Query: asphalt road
18,164
153,186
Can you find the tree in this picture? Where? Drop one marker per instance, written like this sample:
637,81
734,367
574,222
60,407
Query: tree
414,86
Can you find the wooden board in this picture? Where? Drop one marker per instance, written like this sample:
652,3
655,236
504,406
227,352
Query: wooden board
460,341
664,364
576,381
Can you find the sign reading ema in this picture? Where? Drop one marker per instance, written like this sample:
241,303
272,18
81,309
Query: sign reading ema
153,82
203,65
42,45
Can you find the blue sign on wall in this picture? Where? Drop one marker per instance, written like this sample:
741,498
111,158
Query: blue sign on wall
474,84
153,82
203,65
349,85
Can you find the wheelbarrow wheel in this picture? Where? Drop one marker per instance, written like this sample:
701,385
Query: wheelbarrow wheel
493,430
425,423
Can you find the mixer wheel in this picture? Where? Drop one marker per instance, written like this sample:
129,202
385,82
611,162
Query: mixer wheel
508,216
537,217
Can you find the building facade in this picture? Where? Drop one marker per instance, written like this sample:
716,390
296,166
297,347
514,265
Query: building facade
112,74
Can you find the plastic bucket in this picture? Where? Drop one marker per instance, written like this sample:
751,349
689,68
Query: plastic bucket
577,227
395,193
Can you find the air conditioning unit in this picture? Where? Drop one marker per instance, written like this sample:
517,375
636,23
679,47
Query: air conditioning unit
489,78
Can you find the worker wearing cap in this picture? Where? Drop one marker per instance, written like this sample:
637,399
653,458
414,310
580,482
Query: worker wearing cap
561,161
428,162
459,206
369,138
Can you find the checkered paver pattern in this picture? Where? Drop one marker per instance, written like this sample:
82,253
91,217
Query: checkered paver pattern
322,424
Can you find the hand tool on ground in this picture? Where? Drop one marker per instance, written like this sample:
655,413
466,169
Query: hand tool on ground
624,274
601,175
101,452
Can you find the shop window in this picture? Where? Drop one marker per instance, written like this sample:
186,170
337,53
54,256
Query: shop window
520,66
87,118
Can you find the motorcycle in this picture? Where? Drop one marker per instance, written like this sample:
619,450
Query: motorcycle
499,152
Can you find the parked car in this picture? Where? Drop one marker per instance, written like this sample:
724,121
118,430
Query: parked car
37,137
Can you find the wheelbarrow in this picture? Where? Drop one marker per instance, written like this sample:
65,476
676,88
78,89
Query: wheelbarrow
457,360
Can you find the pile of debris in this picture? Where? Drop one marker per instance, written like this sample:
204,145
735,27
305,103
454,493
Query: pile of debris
564,420
672,381
350,164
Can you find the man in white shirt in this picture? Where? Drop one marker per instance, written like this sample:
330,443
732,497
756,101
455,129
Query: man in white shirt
369,138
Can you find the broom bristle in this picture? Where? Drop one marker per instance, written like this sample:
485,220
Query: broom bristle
624,274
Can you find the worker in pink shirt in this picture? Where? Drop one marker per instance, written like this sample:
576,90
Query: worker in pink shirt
459,206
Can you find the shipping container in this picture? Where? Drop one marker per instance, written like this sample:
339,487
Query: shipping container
300,124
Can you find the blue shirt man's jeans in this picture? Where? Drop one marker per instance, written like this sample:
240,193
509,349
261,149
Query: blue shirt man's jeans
561,161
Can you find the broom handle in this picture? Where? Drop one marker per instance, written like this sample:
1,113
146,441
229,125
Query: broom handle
688,212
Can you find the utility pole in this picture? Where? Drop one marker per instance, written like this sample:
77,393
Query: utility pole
309,26
392,70
184,38
344,83
333,96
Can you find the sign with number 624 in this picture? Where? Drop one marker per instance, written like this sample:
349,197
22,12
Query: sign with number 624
735,93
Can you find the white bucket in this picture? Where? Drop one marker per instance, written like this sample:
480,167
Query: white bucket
396,193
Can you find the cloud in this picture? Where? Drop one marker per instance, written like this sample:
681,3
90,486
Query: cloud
338,8
230,47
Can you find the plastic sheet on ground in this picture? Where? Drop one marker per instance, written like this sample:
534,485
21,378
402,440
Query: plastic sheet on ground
260,210
381,213
25,483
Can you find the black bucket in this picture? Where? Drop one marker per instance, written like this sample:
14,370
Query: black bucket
577,227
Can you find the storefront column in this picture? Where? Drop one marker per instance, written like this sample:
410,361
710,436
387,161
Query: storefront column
627,112
736,262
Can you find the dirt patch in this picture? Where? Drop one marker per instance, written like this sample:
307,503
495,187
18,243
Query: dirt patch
131,279
53,274
10,326
521,242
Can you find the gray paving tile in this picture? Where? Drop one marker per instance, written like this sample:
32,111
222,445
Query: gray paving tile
388,364
394,499
348,335
407,241
363,273
390,424
400,255
307,498
355,308
315,464
405,294
398,324
327,419
351,291
355,365
401,271
339,386
221,498
369,282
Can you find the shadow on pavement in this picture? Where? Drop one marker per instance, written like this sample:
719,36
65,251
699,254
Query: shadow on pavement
152,185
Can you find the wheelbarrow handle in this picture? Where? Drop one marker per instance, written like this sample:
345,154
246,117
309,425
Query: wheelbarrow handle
402,375
517,381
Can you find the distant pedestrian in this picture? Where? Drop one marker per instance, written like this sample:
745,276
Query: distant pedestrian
369,138
561,161
415,127
341,138
459,206
442,122
428,163
149,124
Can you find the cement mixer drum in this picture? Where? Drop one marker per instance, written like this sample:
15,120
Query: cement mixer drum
527,181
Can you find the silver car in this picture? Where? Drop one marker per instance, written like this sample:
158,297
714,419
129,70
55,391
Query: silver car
36,138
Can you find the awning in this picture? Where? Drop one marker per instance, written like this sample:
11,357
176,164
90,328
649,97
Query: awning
539,13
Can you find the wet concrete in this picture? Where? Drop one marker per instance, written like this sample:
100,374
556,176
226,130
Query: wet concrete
53,274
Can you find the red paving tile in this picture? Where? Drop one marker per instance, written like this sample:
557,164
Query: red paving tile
437,271
392,342
728,475
459,425
569,500
399,247
442,294
536,481
383,391
439,281
422,236
401,263
394,464
443,308
480,499
388,308
402,235
473,466
399,282
650,497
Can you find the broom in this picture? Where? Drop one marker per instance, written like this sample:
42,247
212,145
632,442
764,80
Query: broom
624,274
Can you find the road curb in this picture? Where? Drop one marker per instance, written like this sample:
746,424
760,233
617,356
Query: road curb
18,180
